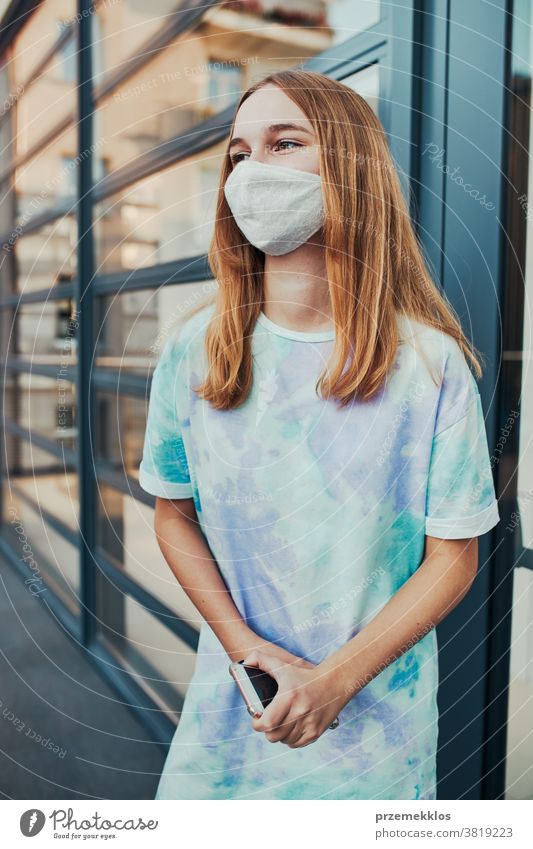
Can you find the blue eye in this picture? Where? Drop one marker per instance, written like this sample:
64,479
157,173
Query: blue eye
237,157
288,141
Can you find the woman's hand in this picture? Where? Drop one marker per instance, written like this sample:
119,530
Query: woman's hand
304,706
285,656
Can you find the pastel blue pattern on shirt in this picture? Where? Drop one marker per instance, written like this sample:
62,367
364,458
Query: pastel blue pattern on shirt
316,515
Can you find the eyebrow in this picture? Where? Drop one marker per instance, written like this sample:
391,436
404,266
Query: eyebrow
274,128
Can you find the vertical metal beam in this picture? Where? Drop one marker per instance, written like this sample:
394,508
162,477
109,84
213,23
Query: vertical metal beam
430,135
401,84
473,280
507,549
462,205
84,304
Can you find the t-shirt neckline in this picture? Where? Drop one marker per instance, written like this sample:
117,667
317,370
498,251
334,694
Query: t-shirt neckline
300,335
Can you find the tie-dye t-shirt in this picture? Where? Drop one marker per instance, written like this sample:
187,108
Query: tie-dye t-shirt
316,516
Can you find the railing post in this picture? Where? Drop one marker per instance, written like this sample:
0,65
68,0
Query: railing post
84,304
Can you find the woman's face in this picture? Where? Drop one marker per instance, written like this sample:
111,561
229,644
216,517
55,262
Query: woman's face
271,128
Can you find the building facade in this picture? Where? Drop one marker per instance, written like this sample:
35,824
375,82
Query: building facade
113,119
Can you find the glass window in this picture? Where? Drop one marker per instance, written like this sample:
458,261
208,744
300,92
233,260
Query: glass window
40,477
53,560
224,82
40,260
348,17
39,34
164,217
366,83
120,433
206,69
160,662
46,101
46,333
48,180
44,405
133,325
125,535
122,26
67,69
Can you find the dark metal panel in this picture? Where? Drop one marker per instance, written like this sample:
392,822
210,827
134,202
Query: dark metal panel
515,304
84,305
473,238
430,134
509,552
400,88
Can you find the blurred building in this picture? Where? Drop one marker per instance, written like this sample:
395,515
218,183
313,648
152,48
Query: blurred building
113,118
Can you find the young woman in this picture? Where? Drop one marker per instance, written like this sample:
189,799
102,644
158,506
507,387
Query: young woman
316,443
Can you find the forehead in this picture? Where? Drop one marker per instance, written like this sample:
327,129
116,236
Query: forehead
265,106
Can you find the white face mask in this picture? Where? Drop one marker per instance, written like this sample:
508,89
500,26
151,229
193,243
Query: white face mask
276,208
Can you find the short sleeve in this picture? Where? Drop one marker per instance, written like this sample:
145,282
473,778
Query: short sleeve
461,501
164,469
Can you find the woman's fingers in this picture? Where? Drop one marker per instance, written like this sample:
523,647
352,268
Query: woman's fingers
279,724
283,720
295,734
288,728
266,662
272,720
305,739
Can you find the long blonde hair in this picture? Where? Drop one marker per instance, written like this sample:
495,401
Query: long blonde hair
374,264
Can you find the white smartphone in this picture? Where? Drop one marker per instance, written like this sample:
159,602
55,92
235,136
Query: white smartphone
257,687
